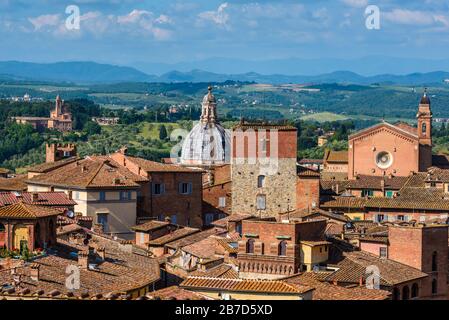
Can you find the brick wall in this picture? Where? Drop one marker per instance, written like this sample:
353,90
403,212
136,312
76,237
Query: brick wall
414,246
307,193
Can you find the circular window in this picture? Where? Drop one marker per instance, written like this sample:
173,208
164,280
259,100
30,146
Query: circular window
384,159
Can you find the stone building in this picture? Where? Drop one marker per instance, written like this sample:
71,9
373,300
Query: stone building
398,149
60,118
263,169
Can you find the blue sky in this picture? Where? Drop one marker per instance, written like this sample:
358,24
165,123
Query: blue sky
130,31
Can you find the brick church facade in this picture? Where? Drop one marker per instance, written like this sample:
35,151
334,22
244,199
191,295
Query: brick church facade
387,149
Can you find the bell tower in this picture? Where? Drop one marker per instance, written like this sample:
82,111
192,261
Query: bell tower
424,117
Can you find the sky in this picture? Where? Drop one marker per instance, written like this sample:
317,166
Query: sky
129,31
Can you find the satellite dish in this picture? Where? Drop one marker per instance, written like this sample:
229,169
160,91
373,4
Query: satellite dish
70,214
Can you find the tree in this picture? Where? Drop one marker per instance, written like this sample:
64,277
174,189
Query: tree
92,128
163,132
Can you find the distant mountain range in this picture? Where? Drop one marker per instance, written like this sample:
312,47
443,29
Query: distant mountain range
91,72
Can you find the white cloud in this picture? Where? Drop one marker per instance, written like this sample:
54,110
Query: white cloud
134,16
219,17
45,21
356,3
409,17
142,21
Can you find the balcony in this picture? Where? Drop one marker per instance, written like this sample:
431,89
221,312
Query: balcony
266,257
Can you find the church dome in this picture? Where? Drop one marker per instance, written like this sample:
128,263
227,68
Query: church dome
208,143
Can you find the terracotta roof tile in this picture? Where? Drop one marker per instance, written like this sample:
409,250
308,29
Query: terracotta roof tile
327,291
14,184
244,285
152,166
224,271
175,235
119,273
150,225
174,293
44,198
27,211
306,172
353,266
336,156
91,172
344,203
49,166
193,238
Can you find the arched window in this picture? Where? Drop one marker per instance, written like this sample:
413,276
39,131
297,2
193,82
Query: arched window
434,261
405,293
396,294
2,227
424,129
261,181
434,286
250,246
282,248
415,290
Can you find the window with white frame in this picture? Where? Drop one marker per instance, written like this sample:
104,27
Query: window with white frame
222,202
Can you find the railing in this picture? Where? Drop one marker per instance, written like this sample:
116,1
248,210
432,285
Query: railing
266,257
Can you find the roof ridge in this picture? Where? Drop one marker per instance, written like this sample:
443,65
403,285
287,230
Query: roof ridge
103,162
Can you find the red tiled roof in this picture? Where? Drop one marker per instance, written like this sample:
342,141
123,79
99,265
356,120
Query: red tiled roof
120,273
327,291
14,184
91,172
152,166
244,285
306,172
150,225
336,156
44,198
224,271
174,293
27,211
49,166
173,236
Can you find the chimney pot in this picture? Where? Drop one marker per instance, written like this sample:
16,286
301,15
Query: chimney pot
34,197
83,259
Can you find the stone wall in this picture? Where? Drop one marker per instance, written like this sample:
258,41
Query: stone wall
279,188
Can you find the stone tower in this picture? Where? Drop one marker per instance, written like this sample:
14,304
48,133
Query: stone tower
263,169
424,117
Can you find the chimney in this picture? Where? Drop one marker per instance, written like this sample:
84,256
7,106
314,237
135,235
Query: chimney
35,272
34,197
83,259
337,188
83,168
101,251
69,195
382,184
